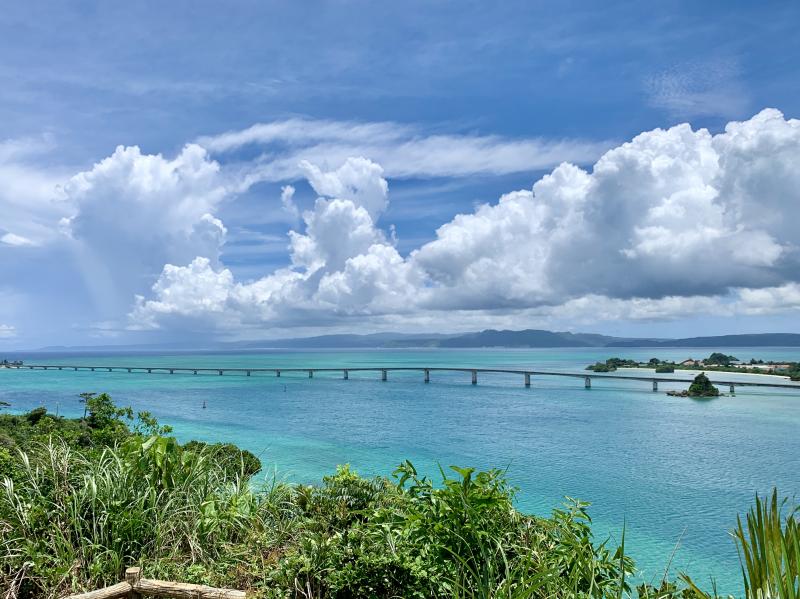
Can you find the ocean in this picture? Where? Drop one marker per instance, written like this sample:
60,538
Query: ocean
673,471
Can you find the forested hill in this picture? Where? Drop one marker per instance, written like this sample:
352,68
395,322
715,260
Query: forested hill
531,338
487,338
753,340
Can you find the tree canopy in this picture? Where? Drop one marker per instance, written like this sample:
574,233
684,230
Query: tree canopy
702,387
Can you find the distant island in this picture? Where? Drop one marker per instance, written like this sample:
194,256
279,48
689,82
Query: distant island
489,338
716,362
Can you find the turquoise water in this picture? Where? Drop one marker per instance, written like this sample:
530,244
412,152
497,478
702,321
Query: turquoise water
674,471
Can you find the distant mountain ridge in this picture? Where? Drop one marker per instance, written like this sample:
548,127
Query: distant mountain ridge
528,338
750,340
534,338
525,338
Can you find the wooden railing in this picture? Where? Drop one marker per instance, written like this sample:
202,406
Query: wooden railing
136,587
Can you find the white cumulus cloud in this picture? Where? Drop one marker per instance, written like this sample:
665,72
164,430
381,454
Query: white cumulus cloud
675,212
674,221
341,264
133,212
358,180
770,300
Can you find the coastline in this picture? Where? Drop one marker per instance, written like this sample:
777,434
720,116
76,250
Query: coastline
689,370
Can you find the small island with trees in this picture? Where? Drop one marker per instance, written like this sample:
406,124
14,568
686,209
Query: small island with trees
700,387
716,362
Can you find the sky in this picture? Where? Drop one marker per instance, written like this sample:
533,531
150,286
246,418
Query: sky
193,171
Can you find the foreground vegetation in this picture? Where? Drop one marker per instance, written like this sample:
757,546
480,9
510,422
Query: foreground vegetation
82,499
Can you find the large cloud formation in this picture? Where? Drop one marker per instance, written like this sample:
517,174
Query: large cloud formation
132,213
673,220
100,236
343,264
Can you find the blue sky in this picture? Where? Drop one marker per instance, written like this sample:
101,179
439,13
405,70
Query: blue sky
456,104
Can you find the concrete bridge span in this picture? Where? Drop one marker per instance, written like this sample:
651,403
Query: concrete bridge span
426,371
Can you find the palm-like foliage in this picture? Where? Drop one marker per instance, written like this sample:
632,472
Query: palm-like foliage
769,549
768,543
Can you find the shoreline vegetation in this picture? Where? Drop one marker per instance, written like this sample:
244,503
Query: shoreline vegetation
716,362
82,499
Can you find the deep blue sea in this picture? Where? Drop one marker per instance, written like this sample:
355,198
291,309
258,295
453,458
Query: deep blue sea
674,471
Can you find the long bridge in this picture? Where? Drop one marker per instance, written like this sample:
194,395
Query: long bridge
425,370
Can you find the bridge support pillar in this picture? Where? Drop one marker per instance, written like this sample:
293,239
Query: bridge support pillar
248,373
194,372
171,371
109,370
474,377
346,374
75,369
278,373
149,371
527,379
129,369
219,372
732,389
311,374
427,376
383,376
92,368
587,382
60,368
655,385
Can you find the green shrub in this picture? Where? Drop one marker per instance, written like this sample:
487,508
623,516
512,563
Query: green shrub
621,363
234,460
7,442
35,415
702,387
720,359
9,464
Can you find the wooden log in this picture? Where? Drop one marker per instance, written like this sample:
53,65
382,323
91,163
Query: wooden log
119,590
182,590
132,576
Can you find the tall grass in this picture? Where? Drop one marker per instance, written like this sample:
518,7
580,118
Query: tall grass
73,522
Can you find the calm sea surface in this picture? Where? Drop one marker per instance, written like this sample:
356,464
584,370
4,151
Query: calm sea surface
674,471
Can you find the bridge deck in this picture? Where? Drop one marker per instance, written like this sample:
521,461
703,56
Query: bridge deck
386,369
